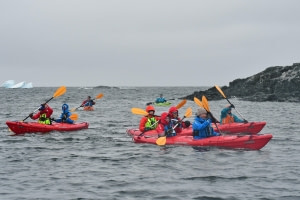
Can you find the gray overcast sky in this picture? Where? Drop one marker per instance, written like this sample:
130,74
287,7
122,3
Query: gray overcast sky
145,43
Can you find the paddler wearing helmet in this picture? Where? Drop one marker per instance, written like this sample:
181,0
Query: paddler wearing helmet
150,121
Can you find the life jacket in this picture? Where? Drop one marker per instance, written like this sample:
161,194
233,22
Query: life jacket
228,119
43,119
151,123
89,103
207,132
170,127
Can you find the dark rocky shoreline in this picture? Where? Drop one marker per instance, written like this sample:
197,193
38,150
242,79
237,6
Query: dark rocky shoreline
278,83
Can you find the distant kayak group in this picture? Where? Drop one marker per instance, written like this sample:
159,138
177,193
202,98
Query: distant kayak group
164,129
169,129
46,123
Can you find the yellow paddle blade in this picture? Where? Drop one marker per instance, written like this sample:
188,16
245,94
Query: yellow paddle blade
74,116
161,141
221,92
205,103
198,102
139,111
73,109
60,91
99,96
181,104
188,112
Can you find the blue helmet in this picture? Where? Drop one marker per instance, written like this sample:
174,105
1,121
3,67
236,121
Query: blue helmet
65,107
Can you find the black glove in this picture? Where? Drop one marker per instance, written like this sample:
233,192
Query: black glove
64,118
169,131
31,115
209,115
214,120
245,121
232,106
52,119
187,123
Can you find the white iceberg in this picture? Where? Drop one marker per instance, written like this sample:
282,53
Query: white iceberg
18,85
8,84
28,85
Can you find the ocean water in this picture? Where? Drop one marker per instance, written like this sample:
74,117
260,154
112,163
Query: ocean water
102,162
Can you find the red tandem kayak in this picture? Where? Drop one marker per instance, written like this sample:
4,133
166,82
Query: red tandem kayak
35,127
232,128
242,128
250,142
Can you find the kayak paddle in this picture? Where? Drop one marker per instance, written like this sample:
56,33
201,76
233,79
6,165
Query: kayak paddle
204,104
162,140
60,91
182,103
99,96
139,111
222,93
206,107
74,116
198,102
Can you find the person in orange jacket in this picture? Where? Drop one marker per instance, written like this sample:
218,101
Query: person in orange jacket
150,121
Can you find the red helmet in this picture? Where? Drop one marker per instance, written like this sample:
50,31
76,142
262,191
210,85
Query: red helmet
173,109
163,117
149,108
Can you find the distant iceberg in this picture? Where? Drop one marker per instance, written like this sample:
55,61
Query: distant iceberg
11,84
19,85
8,84
28,85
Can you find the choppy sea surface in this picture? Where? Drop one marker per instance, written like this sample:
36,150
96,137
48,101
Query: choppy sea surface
102,162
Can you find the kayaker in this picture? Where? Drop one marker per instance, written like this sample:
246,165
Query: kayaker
160,99
150,121
44,114
202,125
173,114
164,127
228,117
65,115
89,102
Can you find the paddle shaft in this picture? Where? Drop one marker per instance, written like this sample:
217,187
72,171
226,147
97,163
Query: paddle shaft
38,108
222,93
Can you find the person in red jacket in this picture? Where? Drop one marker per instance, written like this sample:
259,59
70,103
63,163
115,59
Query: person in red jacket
176,120
164,127
44,114
150,121
88,102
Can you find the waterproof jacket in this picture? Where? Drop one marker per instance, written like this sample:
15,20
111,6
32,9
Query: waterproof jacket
148,123
202,128
228,117
160,100
64,117
44,115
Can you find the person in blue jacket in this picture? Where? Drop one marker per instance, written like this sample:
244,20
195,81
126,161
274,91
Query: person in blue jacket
160,99
228,117
65,115
202,125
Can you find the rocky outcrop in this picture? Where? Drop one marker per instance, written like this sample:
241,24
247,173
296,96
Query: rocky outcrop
279,83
